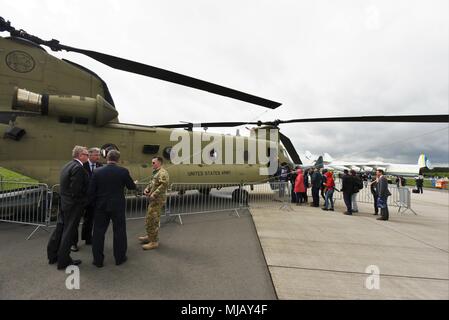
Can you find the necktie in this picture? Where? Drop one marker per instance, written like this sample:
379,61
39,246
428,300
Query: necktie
92,167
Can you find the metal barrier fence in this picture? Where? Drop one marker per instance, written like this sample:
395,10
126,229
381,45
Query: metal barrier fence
136,203
270,195
185,198
400,196
37,204
24,203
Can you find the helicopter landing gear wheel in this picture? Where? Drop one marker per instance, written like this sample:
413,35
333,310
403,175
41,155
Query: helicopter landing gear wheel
240,195
205,191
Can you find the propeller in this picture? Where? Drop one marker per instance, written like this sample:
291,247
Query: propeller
143,69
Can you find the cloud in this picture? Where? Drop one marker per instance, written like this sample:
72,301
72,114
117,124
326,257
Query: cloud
318,58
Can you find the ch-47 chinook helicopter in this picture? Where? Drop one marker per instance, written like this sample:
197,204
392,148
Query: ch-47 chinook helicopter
48,105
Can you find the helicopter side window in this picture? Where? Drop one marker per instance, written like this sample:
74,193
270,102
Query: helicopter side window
79,120
150,149
106,148
167,152
65,119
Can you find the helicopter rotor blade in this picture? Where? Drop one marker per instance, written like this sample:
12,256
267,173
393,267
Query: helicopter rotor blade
204,125
434,118
170,76
143,69
290,148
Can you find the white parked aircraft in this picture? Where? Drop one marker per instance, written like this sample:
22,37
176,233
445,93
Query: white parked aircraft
394,169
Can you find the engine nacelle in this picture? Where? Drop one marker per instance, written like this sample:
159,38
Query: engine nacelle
96,111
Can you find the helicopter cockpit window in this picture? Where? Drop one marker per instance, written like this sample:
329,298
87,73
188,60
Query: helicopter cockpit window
106,148
167,152
150,149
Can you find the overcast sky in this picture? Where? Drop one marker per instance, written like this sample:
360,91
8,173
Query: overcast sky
318,58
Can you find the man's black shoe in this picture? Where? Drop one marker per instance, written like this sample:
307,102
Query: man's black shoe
347,213
325,209
331,209
98,265
75,262
380,218
117,263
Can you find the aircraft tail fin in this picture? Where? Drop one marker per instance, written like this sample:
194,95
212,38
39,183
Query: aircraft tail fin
319,162
424,161
309,155
327,158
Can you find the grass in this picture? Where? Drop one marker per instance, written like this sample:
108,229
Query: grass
16,178
412,183
437,174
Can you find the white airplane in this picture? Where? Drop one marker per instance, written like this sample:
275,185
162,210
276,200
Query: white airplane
311,161
394,169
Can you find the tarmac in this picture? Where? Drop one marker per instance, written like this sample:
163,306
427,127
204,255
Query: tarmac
274,252
209,256
316,254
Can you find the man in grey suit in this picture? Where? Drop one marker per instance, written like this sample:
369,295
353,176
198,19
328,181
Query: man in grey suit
106,194
383,194
74,182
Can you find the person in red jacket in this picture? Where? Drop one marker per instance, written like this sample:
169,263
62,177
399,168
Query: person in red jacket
300,189
329,192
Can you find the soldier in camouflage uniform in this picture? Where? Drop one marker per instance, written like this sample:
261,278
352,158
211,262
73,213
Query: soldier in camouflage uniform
157,192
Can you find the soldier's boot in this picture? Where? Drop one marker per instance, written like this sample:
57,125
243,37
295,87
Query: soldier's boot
143,239
150,246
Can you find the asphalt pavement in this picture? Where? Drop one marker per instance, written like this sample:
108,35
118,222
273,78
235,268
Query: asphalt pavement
209,256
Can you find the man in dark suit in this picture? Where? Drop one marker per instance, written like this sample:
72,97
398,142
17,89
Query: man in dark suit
88,220
383,194
347,187
316,181
106,191
73,191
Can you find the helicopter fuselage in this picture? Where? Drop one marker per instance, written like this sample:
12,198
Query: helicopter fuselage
45,141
